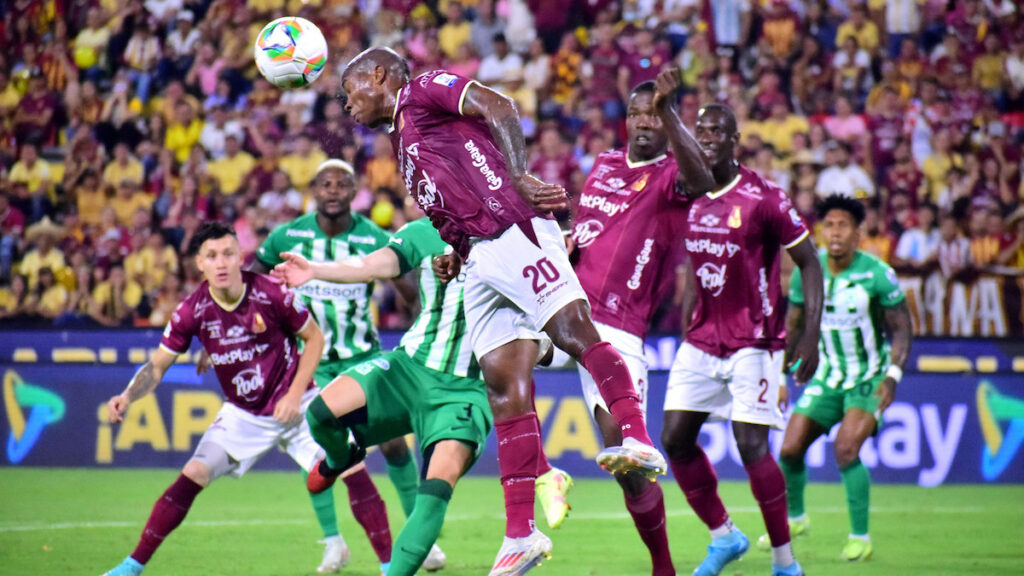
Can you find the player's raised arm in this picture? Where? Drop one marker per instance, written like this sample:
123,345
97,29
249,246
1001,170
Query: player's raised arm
381,264
144,382
805,350
695,175
503,119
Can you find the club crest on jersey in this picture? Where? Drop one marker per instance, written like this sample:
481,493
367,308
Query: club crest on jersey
586,232
258,325
712,278
735,219
639,184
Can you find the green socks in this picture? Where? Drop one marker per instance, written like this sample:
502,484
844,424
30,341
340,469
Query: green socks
796,481
329,433
857,481
323,505
406,480
421,529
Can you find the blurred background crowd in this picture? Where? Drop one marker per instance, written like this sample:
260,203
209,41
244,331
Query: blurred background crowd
126,123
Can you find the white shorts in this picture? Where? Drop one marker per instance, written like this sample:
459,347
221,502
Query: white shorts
247,437
514,286
631,348
742,388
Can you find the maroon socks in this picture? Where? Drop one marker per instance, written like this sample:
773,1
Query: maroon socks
699,482
769,488
167,514
369,510
609,371
518,452
648,512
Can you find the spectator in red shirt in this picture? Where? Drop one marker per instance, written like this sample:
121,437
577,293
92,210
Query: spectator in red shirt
554,162
903,178
886,127
35,120
551,19
601,76
642,62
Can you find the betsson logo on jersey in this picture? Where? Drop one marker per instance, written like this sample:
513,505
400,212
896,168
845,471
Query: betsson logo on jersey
712,278
603,204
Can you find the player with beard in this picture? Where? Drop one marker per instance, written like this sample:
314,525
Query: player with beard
462,156
334,233
729,366
626,247
250,325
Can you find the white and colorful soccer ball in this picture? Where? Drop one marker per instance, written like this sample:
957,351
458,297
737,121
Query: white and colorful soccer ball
291,52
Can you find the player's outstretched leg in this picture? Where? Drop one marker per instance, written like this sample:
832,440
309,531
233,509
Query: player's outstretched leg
699,483
572,330
168,513
340,397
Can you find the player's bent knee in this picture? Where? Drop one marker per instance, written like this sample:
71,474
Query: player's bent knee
448,460
846,452
197,472
395,450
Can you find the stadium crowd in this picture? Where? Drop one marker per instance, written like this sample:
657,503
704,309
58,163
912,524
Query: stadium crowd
124,124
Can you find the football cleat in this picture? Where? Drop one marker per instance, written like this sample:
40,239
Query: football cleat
519,555
128,567
435,559
336,555
857,550
321,477
793,569
801,527
552,488
722,551
633,455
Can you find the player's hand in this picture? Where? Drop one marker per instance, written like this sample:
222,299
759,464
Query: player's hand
294,271
805,359
542,196
669,82
885,393
203,363
287,409
116,407
446,267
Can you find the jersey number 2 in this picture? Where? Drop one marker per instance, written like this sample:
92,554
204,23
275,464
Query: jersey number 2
541,274
764,390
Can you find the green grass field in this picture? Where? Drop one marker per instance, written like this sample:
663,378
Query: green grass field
55,521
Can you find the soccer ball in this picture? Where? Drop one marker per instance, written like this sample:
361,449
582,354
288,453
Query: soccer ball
290,52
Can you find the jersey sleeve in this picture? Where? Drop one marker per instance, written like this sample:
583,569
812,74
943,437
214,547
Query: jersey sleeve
290,312
796,288
781,218
179,331
887,286
269,252
414,242
441,91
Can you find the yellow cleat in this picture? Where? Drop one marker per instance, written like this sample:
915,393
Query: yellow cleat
552,488
856,550
801,527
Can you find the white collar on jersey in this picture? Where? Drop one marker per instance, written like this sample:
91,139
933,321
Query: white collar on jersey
394,112
726,188
229,306
631,164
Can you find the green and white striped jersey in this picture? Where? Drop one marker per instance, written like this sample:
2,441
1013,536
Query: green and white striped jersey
439,338
342,310
853,346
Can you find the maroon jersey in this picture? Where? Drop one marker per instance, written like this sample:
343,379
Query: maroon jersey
733,239
450,163
886,132
628,221
556,170
252,347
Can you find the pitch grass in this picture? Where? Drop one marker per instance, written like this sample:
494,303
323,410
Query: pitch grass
55,521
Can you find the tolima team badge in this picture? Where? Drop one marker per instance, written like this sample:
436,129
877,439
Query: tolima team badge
639,184
258,325
735,221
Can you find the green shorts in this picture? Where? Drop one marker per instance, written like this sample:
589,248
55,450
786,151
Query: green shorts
403,396
827,406
328,370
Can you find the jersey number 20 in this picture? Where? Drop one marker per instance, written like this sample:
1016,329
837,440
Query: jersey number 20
541,274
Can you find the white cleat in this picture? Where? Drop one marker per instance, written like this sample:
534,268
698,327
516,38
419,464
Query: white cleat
633,455
336,555
519,555
435,559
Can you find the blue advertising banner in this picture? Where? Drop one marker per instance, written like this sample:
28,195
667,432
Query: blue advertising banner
943,428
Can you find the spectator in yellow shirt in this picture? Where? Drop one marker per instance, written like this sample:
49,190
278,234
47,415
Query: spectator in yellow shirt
184,132
779,129
987,71
90,197
123,167
32,171
50,297
151,263
455,32
381,169
90,46
231,170
301,165
129,199
115,299
43,236
860,27
938,163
